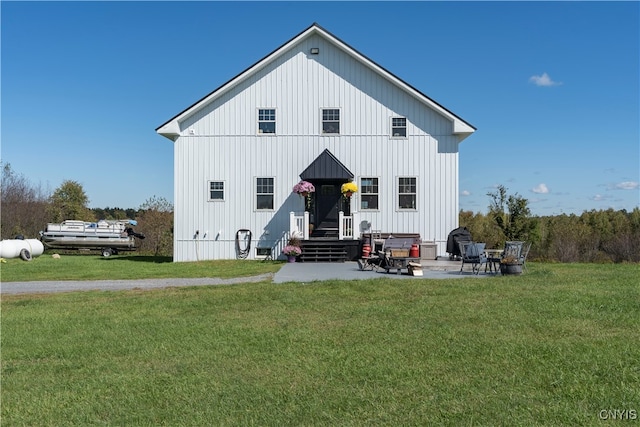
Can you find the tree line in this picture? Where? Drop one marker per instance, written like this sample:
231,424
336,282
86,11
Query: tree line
593,236
26,209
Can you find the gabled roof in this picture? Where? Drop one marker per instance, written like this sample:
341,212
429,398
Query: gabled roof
326,166
171,128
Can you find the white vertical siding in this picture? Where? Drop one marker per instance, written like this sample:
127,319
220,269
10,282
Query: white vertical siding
219,142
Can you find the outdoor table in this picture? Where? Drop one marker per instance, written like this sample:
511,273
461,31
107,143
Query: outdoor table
493,258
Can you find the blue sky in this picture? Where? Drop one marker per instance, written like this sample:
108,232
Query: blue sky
552,87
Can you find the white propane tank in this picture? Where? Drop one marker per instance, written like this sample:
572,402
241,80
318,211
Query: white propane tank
35,246
13,248
10,248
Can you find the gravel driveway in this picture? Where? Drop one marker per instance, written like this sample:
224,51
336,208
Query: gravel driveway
289,272
117,285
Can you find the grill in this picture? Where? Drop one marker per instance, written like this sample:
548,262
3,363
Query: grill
460,234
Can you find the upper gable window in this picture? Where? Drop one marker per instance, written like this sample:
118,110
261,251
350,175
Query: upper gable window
398,127
330,120
266,120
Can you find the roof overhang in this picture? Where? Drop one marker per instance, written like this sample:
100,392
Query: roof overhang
170,130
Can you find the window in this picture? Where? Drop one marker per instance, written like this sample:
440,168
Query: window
369,193
331,120
263,253
398,127
264,193
407,193
216,190
267,120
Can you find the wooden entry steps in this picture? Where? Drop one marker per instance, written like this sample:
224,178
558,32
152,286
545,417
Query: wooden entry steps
325,233
329,250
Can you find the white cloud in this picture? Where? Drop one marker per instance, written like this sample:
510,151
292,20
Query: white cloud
627,185
599,198
540,189
543,80
465,193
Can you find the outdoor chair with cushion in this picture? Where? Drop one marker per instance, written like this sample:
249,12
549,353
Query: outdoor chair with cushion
473,253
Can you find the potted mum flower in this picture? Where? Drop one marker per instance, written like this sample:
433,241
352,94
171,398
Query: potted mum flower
292,251
349,188
303,188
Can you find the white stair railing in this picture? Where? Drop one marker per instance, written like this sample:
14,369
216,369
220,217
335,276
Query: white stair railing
299,225
346,229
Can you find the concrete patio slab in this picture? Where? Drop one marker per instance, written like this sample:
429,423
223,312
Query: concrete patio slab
311,271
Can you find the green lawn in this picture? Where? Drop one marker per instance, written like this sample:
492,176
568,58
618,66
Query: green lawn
556,346
126,267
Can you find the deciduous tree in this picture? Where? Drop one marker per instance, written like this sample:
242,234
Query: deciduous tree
155,221
23,205
511,214
69,201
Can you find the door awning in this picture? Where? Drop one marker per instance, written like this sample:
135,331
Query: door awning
326,166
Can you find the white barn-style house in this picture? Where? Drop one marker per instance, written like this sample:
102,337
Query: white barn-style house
314,109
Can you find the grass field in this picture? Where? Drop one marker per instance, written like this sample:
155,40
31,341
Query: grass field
556,346
127,267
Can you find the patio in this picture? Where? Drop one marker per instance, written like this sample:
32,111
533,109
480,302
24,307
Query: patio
309,272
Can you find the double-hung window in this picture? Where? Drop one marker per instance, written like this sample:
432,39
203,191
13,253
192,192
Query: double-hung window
407,193
264,193
398,127
266,120
368,193
330,120
216,190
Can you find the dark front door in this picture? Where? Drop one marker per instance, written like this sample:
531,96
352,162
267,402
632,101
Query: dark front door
328,204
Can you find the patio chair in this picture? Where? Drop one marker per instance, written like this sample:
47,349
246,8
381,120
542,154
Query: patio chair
513,250
473,253
377,258
377,242
523,255
373,262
